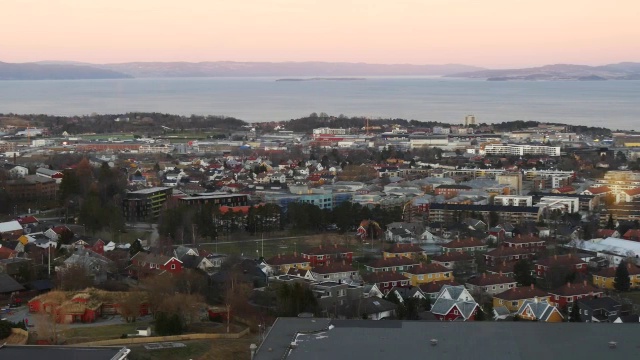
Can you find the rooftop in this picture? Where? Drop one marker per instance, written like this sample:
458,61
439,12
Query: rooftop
366,339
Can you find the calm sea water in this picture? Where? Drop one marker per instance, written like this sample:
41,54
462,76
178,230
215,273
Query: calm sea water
614,104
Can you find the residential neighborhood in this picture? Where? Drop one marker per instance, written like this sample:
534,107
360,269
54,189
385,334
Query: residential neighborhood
402,222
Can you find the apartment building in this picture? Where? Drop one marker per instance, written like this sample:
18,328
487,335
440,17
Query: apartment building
519,150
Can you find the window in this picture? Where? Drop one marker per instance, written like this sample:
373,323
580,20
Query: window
455,312
514,303
173,266
320,257
393,283
421,277
385,284
579,266
437,275
430,276
557,297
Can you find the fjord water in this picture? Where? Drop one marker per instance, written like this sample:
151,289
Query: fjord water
613,104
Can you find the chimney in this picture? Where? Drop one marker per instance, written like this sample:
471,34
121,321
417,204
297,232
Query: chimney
555,257
279,256
484,275
320,246
584,282
568,284
335,245
295,254
531,287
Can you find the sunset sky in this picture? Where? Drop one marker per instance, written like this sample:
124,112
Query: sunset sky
491,33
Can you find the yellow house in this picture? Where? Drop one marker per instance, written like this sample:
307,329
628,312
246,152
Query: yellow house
410,251
536,310
513,299
423,274
605,278
282,263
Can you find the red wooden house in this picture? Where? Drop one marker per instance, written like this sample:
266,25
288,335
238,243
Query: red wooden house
145,264
567,262
387,280
319,256
525,241
568,294
502,254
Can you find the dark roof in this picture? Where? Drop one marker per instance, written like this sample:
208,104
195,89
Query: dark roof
604,302
463,243
509,251
286,259
365,339
392,262
332,268
436,286
41,285
384,276
428,269
496,208
519,293
38,352
8,284
611,271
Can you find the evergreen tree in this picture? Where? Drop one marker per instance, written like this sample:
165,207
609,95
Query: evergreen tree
574,316
610,224
522,273
622,282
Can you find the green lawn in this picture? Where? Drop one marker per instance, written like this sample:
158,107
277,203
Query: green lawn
95,333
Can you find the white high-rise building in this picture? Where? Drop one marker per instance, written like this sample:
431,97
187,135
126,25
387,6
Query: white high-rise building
469,120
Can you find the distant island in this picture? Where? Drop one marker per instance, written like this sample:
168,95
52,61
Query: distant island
323,79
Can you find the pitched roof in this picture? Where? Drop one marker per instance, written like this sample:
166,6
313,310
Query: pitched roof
452,256
142,256
596,190
633,192
27,220
463,243
286,259
10,226
392,262
519,293
569,289
561,260
504,267
490,279
436,286
332,268
427,269
610,272
443,306
541,310
383,276
508,251
9,284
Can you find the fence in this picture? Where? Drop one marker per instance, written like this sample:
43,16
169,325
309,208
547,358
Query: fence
144,340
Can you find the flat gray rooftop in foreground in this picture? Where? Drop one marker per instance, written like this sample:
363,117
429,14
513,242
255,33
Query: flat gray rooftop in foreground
35,352
368,339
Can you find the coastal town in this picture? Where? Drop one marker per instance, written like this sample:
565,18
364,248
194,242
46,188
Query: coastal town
142,230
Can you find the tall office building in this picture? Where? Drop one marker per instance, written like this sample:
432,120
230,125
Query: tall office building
469,120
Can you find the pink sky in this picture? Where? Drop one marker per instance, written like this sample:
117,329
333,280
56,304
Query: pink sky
491,33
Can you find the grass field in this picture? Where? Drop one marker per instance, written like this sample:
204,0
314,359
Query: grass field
94,333
218,349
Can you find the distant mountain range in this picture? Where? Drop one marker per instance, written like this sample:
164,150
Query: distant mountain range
61,70
620,71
